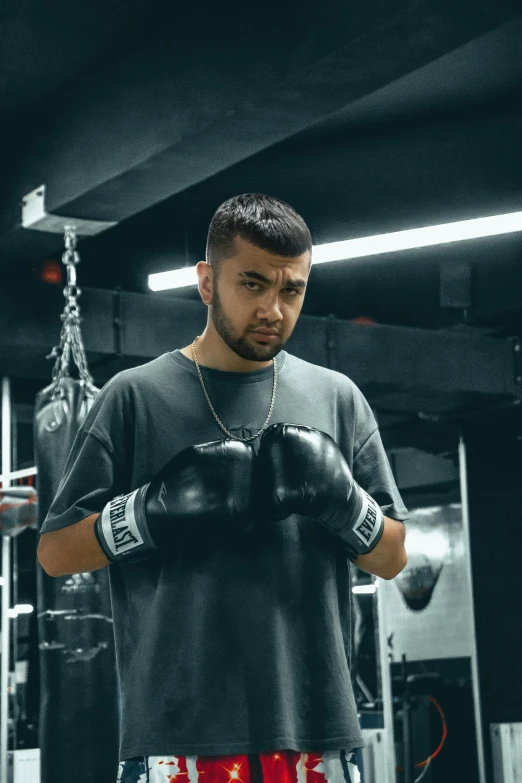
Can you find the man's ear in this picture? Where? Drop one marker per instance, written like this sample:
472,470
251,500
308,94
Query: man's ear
205,281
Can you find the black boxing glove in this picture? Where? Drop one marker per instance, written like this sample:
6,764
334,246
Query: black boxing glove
301,470
203,490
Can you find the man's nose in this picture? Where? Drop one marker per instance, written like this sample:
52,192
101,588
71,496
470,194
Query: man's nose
269,309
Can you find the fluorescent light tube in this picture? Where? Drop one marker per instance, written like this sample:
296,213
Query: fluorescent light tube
375,245
364,589
20,609
175,278
418,237
24,608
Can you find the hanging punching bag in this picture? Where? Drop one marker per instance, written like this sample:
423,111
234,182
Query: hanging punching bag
79,725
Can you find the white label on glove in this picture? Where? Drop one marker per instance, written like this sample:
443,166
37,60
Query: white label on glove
119,526
369,521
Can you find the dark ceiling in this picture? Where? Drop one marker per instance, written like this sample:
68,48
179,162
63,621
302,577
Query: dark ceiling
48,48
383,116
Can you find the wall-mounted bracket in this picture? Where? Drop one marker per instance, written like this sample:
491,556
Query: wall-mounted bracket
36,218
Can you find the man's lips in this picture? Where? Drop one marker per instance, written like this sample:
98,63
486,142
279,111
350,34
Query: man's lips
266,337
266,332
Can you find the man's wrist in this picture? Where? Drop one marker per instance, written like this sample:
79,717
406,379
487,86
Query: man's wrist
366,523
359,522
121,529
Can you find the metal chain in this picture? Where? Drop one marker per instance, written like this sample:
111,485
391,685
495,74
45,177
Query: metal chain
71,342
244,440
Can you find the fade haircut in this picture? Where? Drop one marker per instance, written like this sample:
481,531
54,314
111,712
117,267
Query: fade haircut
266,222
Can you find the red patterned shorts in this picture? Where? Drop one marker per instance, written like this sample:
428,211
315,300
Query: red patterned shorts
280,766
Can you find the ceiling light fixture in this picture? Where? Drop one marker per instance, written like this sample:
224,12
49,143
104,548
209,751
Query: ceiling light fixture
20,609
418,237
364,589
375,245
174,278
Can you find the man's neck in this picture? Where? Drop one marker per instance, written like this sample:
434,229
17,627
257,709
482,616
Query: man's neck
225,360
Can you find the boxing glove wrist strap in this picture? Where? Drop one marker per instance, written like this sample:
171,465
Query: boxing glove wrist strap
121,528
361,524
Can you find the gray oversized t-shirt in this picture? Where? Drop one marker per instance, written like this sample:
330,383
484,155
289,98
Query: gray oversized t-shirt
239,644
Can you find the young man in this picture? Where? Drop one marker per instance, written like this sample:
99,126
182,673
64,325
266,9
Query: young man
228,485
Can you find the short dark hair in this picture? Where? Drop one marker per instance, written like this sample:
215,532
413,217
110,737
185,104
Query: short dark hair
264,221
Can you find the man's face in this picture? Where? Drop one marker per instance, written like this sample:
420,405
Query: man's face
256,289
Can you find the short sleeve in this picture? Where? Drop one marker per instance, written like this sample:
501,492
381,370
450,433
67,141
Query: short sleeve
372,471
98,466
371,467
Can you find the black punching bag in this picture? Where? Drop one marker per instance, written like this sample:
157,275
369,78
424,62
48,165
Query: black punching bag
79,724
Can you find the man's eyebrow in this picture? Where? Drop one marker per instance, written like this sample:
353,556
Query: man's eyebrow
262,279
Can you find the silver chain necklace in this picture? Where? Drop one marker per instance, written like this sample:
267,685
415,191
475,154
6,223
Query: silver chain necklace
245,440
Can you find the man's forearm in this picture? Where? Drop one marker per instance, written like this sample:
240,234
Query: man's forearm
71,550
389,556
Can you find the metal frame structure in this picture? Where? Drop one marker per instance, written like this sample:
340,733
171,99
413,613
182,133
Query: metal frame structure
474,658
6,587
6,477
383,652
386,687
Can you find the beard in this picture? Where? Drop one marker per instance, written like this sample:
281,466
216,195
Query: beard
239,344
